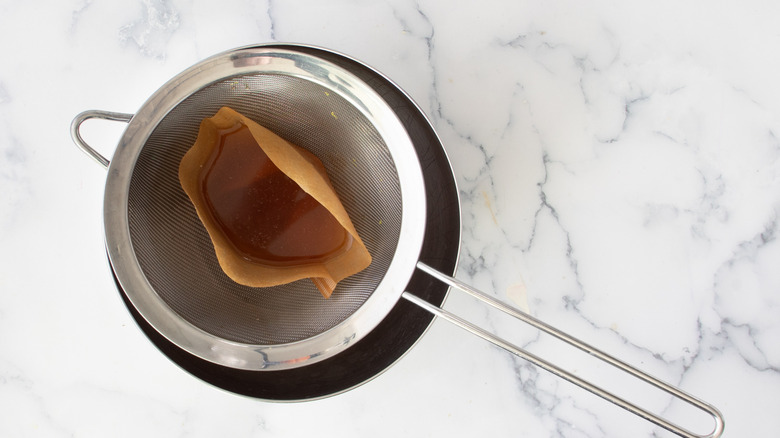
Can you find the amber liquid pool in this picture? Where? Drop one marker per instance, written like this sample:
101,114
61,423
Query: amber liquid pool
264,214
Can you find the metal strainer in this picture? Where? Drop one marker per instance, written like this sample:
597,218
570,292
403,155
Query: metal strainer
165,263
162,253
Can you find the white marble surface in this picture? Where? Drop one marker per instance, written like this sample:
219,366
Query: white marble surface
619,168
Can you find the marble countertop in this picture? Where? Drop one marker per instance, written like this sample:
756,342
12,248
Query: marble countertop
619,173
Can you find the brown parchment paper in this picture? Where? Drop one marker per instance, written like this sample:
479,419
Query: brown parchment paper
299,165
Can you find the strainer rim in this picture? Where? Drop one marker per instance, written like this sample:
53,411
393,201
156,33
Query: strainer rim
188,336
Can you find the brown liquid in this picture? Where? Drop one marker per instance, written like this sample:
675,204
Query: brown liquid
265,215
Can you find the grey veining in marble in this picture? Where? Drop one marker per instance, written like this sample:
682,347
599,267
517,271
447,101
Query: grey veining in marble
619,173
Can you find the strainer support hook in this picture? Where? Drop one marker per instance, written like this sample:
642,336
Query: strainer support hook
94,114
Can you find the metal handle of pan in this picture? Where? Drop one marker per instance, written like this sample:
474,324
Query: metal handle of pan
629,406
75,132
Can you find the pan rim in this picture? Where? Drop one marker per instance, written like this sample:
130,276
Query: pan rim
244,386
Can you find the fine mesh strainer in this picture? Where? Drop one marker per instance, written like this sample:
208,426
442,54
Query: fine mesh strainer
164,261
161,252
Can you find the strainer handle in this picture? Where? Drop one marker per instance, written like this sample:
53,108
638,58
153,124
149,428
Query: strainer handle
631,407
94,114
